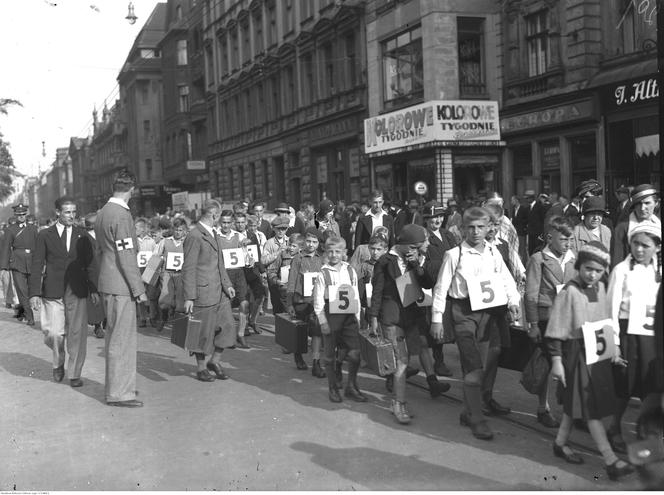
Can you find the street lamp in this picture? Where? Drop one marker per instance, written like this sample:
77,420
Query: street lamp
131,17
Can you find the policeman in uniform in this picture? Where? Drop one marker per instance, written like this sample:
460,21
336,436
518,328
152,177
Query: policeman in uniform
16,255
121,287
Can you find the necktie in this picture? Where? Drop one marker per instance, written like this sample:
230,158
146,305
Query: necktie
63,237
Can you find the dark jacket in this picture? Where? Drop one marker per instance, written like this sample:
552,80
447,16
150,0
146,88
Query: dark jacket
54,268
18,244
363,230
435,253
400,219
520,220
385,299
536,216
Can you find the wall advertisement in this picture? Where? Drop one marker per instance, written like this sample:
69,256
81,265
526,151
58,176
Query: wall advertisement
436,120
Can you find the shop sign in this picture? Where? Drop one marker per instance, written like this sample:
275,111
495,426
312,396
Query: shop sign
149,191
633,92
549,116
420,188
436,120
195,164
332,129
171,189
180,201
550,156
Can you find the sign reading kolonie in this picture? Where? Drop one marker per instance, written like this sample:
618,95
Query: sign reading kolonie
436,120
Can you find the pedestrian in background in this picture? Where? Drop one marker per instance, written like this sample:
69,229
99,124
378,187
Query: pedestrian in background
121,289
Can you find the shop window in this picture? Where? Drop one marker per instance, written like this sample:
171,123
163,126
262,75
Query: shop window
403,69
470,37
182,52
308,81
583,159
537,41
550,160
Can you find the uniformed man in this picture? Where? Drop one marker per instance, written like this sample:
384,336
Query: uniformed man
121,288
16,256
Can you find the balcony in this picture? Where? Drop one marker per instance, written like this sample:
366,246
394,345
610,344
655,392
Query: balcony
534,85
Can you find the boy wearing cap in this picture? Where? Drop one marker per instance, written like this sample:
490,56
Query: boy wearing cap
273,247
17,248
643,200
337,307
295,224
299,299
591,227
474,281
401,320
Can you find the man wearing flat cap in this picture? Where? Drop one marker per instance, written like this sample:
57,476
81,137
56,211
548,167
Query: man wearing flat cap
16,256
295,224
643,201
273,248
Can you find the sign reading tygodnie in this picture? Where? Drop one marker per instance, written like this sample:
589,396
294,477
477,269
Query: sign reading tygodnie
437,120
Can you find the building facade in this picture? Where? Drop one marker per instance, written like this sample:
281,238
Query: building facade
434,92
141,103
580,94
184,128
286,99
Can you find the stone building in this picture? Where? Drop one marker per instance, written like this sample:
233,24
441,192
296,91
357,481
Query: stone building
434,91
286,99
580,94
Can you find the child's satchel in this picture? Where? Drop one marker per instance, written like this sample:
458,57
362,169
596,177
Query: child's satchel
186,331
151,273
378,353
291,334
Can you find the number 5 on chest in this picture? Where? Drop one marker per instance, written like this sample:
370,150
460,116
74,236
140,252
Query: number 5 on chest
343,300
599,341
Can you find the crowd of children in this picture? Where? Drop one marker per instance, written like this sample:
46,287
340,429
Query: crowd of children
593,325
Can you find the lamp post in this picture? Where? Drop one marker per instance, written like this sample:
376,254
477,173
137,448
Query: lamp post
131,17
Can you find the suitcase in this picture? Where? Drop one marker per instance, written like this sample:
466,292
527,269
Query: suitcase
150,274
291,334
186,331
378,353
95,311
518,354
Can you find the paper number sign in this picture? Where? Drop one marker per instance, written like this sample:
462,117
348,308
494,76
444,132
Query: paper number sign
142,258
599,340
308,283
642,315
284,273
252,250
486,292
343,300
174,261
369,291
233,258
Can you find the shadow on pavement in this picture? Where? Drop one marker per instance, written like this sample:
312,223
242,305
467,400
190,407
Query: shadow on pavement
379,470
28,366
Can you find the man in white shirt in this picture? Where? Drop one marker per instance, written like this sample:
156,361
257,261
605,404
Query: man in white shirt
375,217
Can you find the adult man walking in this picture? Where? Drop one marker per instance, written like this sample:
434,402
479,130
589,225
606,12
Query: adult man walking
17,256
375,217
59,285
121,288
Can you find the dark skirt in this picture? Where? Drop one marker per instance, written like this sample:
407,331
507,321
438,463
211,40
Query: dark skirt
590,392
639,378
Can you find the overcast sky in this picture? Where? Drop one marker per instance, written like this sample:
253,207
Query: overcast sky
59,59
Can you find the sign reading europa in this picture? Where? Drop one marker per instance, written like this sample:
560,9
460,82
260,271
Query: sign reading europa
438,120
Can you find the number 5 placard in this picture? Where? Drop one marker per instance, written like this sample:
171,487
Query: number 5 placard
142,258
343,300
233,258
599,340
486,292
642,312
174,261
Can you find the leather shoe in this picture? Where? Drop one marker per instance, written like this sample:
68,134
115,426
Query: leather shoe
99,332
76,382
546,419
354,394
217,370
299,362
125,403
58,373
317,370
441,369
480,429
205,376
617,442
493,408
334,395
572,458
437,388
411,372
616,472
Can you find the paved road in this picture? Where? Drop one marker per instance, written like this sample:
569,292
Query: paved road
270,427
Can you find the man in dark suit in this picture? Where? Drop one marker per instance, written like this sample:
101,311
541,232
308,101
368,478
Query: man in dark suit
400,216
208,293
622,210
572,210
16,255
121,287
95,310
263,225
59,286
375,217
536,214
520,222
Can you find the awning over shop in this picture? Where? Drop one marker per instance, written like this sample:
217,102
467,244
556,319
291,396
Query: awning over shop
647,145
624,72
